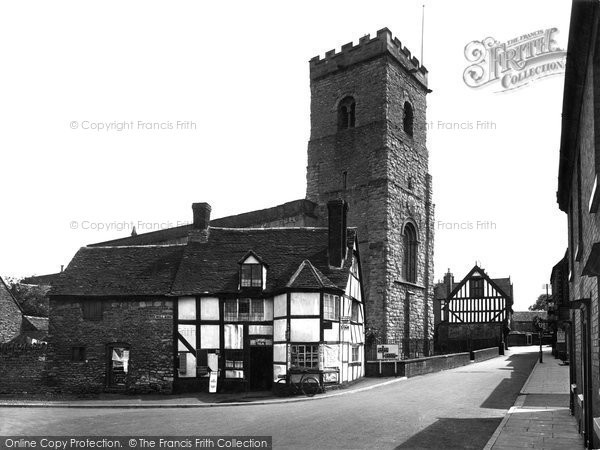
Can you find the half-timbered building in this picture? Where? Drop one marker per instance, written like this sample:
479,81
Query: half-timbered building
246,304
473,313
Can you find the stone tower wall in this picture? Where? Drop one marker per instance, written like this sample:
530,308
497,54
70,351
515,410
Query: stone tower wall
380,170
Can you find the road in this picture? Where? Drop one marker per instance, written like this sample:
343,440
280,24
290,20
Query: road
458,408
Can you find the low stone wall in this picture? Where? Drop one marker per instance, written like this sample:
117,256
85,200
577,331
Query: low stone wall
23,369
384,368
418,366
421,366
485,353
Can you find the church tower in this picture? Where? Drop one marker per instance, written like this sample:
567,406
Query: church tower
367,146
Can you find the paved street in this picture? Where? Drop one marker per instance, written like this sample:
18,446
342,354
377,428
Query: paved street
459,408
541,417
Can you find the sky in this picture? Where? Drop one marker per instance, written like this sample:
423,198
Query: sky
228,85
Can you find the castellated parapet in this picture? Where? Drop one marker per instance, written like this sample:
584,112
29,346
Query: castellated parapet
365,50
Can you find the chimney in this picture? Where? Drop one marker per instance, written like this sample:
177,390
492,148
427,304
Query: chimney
337,213
449,282
201,223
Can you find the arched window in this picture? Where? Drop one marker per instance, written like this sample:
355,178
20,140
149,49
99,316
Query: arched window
410,253
346,113
408,119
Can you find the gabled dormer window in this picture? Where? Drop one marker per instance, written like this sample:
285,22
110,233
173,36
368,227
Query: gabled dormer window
253,272
251,275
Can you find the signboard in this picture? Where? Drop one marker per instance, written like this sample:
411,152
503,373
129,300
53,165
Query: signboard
387,351
261,342
212,383
560,337
345,322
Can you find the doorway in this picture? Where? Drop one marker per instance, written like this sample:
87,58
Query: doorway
118,366
261,368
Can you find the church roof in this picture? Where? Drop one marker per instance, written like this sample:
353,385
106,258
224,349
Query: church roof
257,218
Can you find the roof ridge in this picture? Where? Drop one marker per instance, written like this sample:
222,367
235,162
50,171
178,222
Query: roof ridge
320,275
94,247
297,273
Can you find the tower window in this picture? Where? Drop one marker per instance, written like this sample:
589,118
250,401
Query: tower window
408,119
346,113
410,253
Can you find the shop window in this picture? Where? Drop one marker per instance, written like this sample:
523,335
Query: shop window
331,307
306,356
234,364
92,310
251,276
77,353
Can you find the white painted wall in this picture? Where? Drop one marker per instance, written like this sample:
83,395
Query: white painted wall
305,303
209,308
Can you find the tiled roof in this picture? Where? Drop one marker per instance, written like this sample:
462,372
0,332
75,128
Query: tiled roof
99,271
527,316
213,266
244,220
47,279
39,323
7,297
504,284
197,267
308,276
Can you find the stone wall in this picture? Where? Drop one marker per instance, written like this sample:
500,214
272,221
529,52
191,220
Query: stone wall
484,354
456,337
144,325
422,366
23,369
383,174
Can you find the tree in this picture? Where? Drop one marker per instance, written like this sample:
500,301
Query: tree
33,299
541,304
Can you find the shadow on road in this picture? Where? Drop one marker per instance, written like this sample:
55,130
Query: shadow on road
504,395
454,433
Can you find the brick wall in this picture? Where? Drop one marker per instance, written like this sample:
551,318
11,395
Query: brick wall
584,231
387,180
145,325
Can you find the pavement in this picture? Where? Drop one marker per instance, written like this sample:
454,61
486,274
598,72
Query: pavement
192,400
540,417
